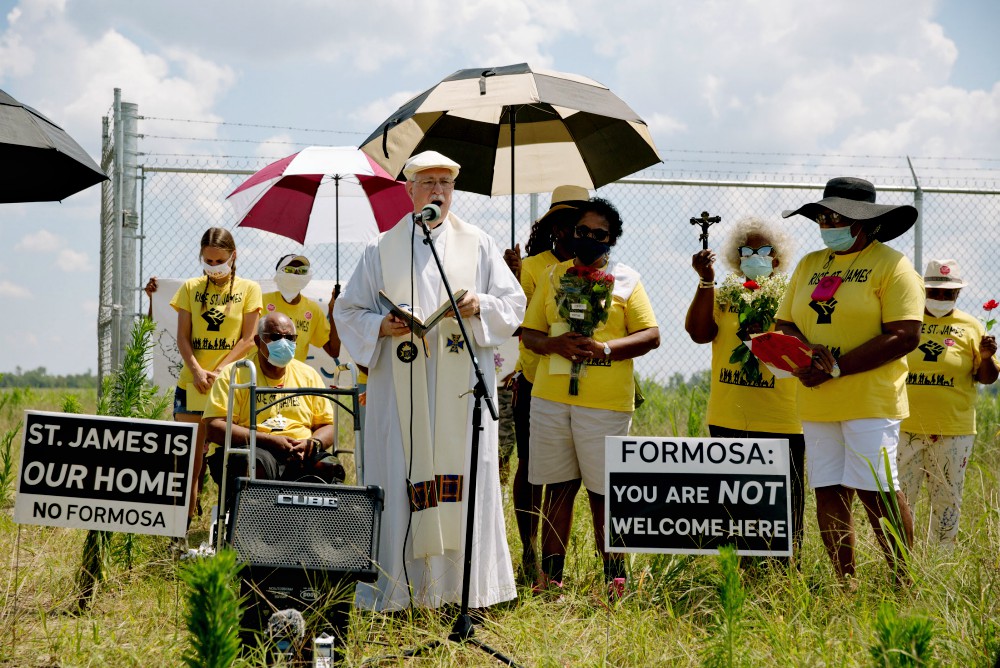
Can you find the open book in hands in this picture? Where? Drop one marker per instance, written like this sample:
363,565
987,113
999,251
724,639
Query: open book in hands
418,326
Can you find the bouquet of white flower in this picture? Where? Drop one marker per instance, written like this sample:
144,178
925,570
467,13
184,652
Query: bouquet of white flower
757,302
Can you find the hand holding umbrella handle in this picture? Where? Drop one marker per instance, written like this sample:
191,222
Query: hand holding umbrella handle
705,222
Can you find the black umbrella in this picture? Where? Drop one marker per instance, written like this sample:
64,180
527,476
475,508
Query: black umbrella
41,162
566,129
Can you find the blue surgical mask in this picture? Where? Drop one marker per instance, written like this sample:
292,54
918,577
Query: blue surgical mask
756,266
280,352
837,238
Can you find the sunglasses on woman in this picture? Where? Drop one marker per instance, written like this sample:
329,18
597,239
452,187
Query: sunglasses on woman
597,234
301,270
747,251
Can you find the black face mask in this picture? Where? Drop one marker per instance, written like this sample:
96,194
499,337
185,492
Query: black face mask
588,250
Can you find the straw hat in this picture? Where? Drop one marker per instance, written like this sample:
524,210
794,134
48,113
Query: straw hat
567,197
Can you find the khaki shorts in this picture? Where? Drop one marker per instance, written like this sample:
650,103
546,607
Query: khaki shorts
567,442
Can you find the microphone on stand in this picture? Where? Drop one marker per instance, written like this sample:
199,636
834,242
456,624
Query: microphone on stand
428,214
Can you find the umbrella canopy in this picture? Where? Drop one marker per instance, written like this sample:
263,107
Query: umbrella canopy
518,130
44,163
322,194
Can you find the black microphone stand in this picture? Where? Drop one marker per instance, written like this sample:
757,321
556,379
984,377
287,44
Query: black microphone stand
463,629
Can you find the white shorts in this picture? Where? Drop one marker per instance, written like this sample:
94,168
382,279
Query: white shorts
849,453
567,442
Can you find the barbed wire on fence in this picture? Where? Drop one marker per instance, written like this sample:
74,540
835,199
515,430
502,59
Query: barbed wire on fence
184,188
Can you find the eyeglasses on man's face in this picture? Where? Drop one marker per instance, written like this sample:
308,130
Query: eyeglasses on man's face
747,251
595,233
432,184
277,336
298,271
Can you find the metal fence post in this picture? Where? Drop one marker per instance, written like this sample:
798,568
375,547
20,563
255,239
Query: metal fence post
116,261
918,227
129,221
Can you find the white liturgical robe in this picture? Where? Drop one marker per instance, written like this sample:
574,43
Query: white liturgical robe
434,579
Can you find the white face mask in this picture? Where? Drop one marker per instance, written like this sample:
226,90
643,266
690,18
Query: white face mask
218,270
939,307
290,285
756,266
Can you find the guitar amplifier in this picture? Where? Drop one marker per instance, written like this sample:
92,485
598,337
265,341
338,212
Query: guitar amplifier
318,528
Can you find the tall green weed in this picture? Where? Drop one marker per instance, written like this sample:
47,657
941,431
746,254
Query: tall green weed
902,641
125,393
213,611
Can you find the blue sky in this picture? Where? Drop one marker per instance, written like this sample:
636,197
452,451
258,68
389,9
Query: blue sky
896,77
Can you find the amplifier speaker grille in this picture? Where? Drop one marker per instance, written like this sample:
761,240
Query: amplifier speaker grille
315,527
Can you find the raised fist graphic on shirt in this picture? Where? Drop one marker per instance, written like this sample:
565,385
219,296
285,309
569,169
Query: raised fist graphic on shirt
931,350
824,310
214,318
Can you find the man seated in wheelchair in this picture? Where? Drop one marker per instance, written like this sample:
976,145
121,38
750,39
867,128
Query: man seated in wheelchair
293,435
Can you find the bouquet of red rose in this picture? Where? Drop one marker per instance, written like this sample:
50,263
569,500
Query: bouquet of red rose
583,298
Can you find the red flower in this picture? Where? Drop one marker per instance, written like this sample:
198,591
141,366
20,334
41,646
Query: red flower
751,285
990,305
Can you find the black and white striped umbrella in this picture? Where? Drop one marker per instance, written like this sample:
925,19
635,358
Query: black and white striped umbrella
518,130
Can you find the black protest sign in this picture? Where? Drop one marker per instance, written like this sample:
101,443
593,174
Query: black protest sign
695,495
105,473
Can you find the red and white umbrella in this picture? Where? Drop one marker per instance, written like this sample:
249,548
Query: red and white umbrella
322,194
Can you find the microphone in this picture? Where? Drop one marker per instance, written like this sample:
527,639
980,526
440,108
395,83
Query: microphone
286,628
428,214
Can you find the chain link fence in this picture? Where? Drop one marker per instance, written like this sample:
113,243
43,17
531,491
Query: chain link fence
181,196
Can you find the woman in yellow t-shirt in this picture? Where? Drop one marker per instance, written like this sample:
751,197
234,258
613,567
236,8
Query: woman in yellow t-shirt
859,305
567,428
217,315
549,244
954,354
746,400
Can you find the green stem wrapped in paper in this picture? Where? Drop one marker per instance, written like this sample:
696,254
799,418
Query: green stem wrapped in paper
584,300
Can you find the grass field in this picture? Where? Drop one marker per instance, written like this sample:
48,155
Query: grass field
679,611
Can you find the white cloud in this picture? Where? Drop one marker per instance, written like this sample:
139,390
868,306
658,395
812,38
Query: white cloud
41,241
73,261
376,111
8,289
664,125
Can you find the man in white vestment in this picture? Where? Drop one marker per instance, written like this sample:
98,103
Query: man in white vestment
418,432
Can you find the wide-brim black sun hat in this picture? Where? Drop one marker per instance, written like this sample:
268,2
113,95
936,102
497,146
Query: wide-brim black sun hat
855,199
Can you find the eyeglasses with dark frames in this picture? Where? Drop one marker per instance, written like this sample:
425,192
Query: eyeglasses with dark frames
595,233
277,336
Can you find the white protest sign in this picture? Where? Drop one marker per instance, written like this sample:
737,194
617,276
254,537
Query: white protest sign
681,495
105,473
